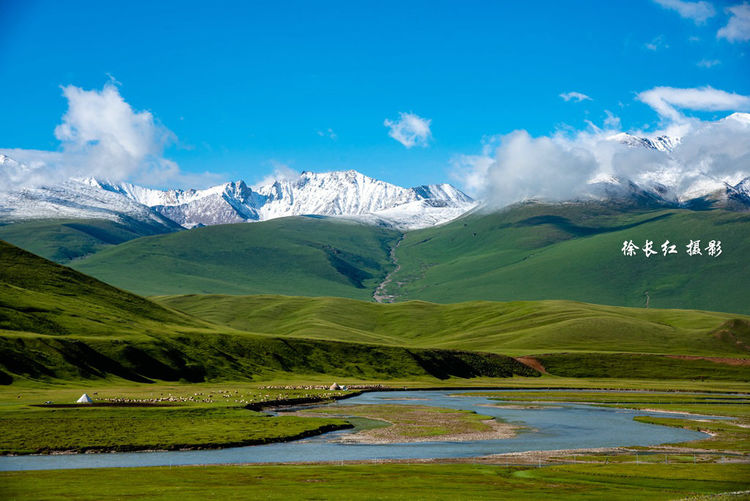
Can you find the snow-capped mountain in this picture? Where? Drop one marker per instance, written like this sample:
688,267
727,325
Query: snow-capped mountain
340,193
680,179
659,143
75,200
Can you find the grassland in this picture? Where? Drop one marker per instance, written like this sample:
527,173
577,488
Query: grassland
526,252
58,324
519,327
572,251
726,436
416,423
566,338
383,481
296,255
63,240
99,429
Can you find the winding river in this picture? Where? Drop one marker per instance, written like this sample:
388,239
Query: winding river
558,426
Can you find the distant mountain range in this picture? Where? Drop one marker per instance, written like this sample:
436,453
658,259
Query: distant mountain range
349,194
339,193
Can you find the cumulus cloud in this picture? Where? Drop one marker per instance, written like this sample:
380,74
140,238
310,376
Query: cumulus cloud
100,135
522,167
738,27
570,165
667,101
574,96
697,11
410,129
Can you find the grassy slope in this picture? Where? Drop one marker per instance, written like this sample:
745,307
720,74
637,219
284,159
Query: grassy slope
573,252
516,327
299,255
58,323
47,298
63,240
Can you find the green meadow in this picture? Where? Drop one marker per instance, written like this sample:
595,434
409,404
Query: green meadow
385,481
526,252
572,251
296,255
518,327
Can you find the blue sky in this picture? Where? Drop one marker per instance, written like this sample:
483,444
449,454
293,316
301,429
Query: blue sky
245,87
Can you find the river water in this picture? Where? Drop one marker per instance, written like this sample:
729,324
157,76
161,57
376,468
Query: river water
557,426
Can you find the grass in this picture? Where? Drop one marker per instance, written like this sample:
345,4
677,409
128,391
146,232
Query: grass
621,397
572,251
525,252
519,327
382,481
34,430
295,255
598,365
410,423
151,416
63,240
58,324
728,436
591,341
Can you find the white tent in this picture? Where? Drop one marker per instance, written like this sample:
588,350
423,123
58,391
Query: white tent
85,399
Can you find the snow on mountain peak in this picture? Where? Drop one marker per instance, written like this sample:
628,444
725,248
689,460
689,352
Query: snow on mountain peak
338,193
659,143
743,118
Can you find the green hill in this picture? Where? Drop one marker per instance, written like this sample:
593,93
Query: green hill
573,251
63,240
58,324
518,328
526,252
296,255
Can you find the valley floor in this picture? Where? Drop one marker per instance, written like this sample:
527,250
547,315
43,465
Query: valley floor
387,481
719,464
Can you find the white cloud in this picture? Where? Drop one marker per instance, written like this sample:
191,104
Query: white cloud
281,172
667,101
738,27
328,133
708,63
611,121
517,167
571,165
104,132
574,96
657,43
697,11
409,130
101,135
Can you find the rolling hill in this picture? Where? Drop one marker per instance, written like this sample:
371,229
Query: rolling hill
298,255
63,240
573,251
517,328
527,252
57,324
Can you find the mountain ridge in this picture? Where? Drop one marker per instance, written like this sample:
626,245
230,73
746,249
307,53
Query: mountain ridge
348,194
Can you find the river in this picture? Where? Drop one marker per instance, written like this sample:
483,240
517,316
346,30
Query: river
552,427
